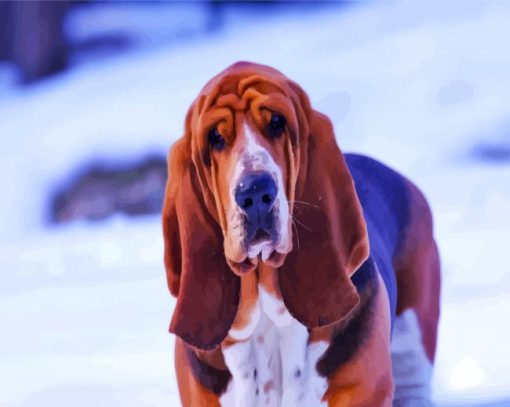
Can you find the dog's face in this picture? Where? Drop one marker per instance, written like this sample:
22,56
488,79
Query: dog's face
247,149
251,169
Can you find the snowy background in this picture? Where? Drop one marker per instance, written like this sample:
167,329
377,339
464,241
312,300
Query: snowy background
424,87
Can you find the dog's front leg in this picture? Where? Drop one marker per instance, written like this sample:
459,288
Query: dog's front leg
293,338
240,360
268,373
293,344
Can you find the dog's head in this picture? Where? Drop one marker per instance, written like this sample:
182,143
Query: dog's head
258,177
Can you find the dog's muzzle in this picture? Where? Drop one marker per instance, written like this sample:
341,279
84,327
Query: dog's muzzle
255,195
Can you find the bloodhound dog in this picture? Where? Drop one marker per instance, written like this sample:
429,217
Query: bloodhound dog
303,276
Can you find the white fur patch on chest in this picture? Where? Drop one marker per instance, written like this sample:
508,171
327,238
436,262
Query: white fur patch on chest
274,366
275,309
241,334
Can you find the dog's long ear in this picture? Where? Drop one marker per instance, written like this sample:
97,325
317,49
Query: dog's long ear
331,242
206,289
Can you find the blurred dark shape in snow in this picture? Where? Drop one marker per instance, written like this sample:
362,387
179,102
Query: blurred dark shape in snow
494,147
42,38
102,190
108,44
33,38
497,152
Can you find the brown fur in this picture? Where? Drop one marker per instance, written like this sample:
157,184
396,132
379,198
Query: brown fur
192,392
207,290
248,300
418,271
366,380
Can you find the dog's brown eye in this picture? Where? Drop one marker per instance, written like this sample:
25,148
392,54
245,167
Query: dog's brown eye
215,139
276,126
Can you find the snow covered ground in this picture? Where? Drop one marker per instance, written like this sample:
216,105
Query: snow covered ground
424,87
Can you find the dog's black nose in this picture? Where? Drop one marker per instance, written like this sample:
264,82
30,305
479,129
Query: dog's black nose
255,195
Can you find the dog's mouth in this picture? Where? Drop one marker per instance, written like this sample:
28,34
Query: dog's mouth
261,244
263,228
244,266
260,236
275,259
262,247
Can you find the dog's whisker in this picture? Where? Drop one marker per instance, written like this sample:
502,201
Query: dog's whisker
297,234
301,223
305,203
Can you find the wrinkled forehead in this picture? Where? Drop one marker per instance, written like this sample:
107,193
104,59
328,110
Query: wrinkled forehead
231,99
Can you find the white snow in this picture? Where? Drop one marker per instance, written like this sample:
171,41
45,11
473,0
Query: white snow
84,309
